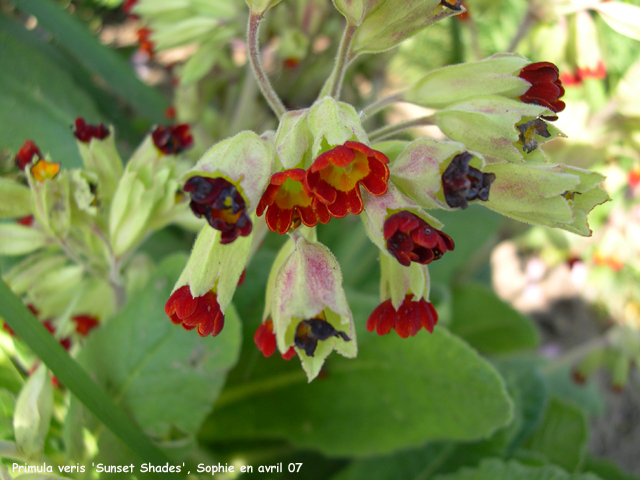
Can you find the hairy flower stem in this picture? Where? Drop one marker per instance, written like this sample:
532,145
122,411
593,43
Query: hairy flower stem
375,107
256,65
333,85
389,130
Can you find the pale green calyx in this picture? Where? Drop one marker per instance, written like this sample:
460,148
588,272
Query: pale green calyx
101,157
293,140
51,203
554,195
488,124
307,285
396,281
418,169
496,75
333,123
214,266
32,414
15,199
245,160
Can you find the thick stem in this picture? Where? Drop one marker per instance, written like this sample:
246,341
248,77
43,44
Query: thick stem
389,130
256,65
375,107
333,85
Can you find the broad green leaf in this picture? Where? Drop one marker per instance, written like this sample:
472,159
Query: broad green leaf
39,101
494,469
488,323
562,435
588,396
525,386
163,376
397,393
7,405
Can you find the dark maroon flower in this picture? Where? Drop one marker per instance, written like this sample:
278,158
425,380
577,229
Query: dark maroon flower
26,153
411,239
309,332
406,321
173,139
220,202
546,86
85,132
462,183
202,312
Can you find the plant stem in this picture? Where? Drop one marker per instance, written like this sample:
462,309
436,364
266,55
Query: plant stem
333,85
375,107
389,130
523,28
256,65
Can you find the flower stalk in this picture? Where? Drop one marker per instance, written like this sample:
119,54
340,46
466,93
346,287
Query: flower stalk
388,130
256,65
333,85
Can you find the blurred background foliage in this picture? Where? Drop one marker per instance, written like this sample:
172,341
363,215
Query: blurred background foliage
402,409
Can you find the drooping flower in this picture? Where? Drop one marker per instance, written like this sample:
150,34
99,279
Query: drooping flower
172,139
335,176
462,183
26,153
288,203
202,312
265,339
529,130
406,320
85,132
220,202
546,86
411,239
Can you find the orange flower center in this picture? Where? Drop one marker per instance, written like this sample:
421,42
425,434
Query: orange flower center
44,170
291,194
346,178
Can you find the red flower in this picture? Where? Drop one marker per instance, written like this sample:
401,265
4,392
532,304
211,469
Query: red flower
85,323
266,340
406,321
26,221
335,175
173,139
26,153
546,86
462,183
411,239
288,202
85,132
220,202
202,312
146,45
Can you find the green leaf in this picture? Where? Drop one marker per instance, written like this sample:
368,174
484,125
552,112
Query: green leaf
587,396
397,393
7,405
99,59
39,101
163,376
494,469
562,436
488,323
72,376
10,377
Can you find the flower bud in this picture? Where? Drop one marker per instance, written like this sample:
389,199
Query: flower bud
553,195
489,124
309,307
100,156
15,199
293,140
32,414
393,21
496,75
333,123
